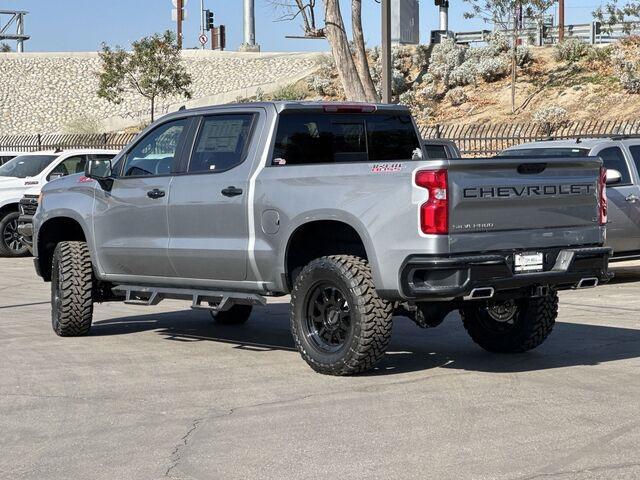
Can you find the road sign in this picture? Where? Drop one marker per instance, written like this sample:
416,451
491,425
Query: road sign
203,39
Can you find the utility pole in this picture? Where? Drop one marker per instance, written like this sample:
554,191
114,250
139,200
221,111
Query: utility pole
386,51
201,22
249,44
179,11
560,20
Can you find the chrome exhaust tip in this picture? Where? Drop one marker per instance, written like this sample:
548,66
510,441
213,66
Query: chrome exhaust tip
481,293
587,283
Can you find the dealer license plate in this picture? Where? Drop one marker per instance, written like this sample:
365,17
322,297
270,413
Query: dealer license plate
528,262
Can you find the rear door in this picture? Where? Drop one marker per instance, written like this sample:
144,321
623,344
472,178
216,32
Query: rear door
517,203
130,220
623,227
207,209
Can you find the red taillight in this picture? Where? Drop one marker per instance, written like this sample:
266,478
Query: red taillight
434,213
348,108
602,205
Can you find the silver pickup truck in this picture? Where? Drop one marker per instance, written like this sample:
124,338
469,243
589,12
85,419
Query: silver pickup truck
336,205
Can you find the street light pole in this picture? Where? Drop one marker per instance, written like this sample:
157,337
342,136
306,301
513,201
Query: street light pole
386,51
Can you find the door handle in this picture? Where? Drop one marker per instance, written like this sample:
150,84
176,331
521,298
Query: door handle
231,191
155,193
632,198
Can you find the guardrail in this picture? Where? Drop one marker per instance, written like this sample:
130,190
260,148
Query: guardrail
476,140
31,143
592,33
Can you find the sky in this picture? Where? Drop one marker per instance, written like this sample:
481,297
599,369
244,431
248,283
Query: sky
82,25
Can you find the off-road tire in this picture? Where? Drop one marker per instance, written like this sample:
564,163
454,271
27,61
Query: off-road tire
71,289
5,250
534,323
370,315
236,315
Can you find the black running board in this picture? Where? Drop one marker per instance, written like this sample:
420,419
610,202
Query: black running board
216,301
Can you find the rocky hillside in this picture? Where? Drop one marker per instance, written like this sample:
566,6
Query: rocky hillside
453,84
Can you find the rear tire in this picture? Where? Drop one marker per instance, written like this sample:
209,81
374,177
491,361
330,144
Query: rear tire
236,315
71,289
339,323
11,244
514,327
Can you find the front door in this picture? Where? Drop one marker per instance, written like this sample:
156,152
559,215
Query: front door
208,206
130,220
623,226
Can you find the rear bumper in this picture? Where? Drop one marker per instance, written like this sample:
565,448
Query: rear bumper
442,278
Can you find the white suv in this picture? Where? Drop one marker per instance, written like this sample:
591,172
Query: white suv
29,172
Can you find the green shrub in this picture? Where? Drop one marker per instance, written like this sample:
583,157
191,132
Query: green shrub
571,50
289,92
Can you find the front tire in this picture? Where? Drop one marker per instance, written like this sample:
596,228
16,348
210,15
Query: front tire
511,326
339,323
11,244
71,289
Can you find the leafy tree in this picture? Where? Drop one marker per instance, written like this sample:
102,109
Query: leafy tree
506,14
5,48
350,58
628,15
153,69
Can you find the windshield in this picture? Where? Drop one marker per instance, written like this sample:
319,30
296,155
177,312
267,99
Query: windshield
26,165
546,152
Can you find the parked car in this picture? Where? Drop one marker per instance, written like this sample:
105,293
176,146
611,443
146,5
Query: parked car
29,172
336,205
8,155
435,148
621,157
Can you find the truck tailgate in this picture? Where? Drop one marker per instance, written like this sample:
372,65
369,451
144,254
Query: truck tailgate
519,203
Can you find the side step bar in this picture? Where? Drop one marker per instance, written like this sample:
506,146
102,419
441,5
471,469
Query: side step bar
216,301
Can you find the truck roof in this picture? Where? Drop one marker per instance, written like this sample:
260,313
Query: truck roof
281,106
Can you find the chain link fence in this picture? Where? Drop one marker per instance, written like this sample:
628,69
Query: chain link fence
483,140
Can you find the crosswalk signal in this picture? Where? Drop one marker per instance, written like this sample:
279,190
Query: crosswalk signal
208,19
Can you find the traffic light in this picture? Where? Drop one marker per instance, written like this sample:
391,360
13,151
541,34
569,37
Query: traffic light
208,20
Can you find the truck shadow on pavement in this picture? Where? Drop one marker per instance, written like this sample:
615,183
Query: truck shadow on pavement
411,349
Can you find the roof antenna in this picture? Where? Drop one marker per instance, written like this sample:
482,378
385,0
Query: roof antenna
57,150
183,107
578,140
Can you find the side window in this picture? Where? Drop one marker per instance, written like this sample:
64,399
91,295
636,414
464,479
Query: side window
156,153
614,159
221,143
69,166
302,139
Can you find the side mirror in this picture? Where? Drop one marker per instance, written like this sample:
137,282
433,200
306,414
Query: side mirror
613,176
100,170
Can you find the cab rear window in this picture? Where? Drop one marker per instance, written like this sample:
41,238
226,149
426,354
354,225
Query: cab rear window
312,138
546,152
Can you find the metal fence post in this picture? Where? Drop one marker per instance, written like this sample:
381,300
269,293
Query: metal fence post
39,142
592,33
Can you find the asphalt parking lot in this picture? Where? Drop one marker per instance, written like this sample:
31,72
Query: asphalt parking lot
162,392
